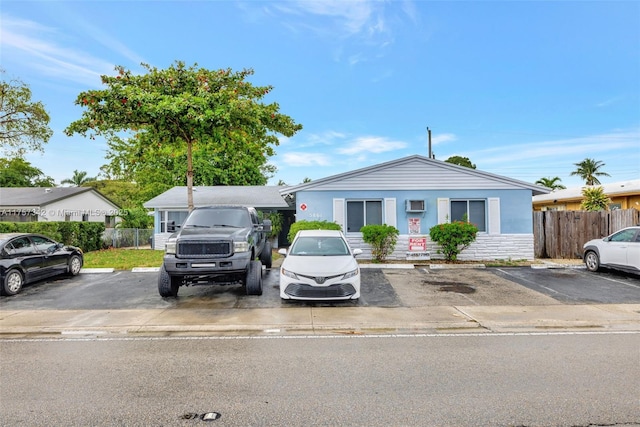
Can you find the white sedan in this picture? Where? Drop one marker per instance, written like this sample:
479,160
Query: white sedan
621,251
320,265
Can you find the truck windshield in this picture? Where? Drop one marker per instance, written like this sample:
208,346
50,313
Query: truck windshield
218,218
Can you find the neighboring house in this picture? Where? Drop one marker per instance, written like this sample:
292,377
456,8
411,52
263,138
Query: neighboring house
172,204
623,195
24,204
415,193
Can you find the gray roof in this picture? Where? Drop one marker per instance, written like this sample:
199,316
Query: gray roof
257,196
416,173
37,196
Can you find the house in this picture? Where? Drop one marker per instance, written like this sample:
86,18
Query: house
623,195
24,204
415,193
172,204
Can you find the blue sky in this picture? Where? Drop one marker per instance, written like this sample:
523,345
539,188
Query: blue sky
524,89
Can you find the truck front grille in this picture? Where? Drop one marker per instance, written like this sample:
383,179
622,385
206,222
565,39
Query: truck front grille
203,249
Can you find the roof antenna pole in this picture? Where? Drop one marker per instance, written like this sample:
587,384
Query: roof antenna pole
429,139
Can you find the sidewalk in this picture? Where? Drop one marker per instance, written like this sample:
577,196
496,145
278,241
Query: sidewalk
322,320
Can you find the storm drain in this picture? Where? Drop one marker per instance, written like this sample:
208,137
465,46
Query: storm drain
459,288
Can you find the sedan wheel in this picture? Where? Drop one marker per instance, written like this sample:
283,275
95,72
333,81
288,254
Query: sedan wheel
592,261
75,264
13,282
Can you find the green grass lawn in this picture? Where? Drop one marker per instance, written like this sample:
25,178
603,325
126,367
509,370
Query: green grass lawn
123,259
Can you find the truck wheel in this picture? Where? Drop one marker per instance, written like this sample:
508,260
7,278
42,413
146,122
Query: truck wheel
266,257
167,285
253,280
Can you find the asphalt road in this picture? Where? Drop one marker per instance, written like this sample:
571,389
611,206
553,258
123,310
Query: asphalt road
380,288
582,379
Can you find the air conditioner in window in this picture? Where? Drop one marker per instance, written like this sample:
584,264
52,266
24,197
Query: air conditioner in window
415,206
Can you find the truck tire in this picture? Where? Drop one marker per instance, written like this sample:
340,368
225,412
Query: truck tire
253,279
167,285
266,257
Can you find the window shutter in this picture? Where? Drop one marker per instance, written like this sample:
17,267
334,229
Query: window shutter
443,211
390,212
338,213
494,215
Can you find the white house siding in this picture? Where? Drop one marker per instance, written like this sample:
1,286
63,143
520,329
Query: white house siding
485,248
88,203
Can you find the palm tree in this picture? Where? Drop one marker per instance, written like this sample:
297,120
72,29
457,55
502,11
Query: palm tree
588,169
552,183
78,179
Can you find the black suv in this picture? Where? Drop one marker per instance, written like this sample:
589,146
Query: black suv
217,245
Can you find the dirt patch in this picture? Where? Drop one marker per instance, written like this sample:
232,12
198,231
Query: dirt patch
421,287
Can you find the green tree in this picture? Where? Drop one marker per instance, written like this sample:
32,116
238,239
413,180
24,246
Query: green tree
594,199
461,161
17,172
182,107
589,170
24,124
125,194
552,183
78,179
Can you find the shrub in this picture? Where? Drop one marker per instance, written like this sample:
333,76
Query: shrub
594,199
453,237
311,225
382,239
85,235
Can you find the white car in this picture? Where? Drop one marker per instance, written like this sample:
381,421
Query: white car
320,265
620,251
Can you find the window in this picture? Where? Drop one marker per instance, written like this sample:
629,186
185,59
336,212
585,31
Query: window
472,210
85,217
109,221
20,247
177,217
363,212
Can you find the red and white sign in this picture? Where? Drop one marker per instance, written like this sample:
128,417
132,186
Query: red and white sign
303,206
417,244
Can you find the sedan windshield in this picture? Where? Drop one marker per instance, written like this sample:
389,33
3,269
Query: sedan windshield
319,246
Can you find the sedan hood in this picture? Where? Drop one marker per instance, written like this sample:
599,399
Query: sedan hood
319,265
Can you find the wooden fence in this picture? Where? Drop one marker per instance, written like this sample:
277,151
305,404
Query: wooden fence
561,234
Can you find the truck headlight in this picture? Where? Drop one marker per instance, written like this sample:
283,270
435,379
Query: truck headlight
170,246
240,247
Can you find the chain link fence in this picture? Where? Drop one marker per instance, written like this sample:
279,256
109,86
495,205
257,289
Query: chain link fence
137,238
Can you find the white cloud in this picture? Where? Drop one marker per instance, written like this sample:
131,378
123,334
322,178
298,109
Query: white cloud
442,138
372,144
305,159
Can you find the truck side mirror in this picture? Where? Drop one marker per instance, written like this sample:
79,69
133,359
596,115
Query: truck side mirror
266,225
171,226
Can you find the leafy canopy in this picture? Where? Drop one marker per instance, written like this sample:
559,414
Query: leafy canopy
183,106
17,172
552,183
589,171
461,161
24,124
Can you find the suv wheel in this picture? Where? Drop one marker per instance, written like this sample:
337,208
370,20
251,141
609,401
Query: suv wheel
253,280
167,285
592,261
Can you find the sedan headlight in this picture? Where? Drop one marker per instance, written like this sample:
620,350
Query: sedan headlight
240,246
288,273
350,274
170,246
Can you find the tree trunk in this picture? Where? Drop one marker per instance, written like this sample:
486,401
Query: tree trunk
189,176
